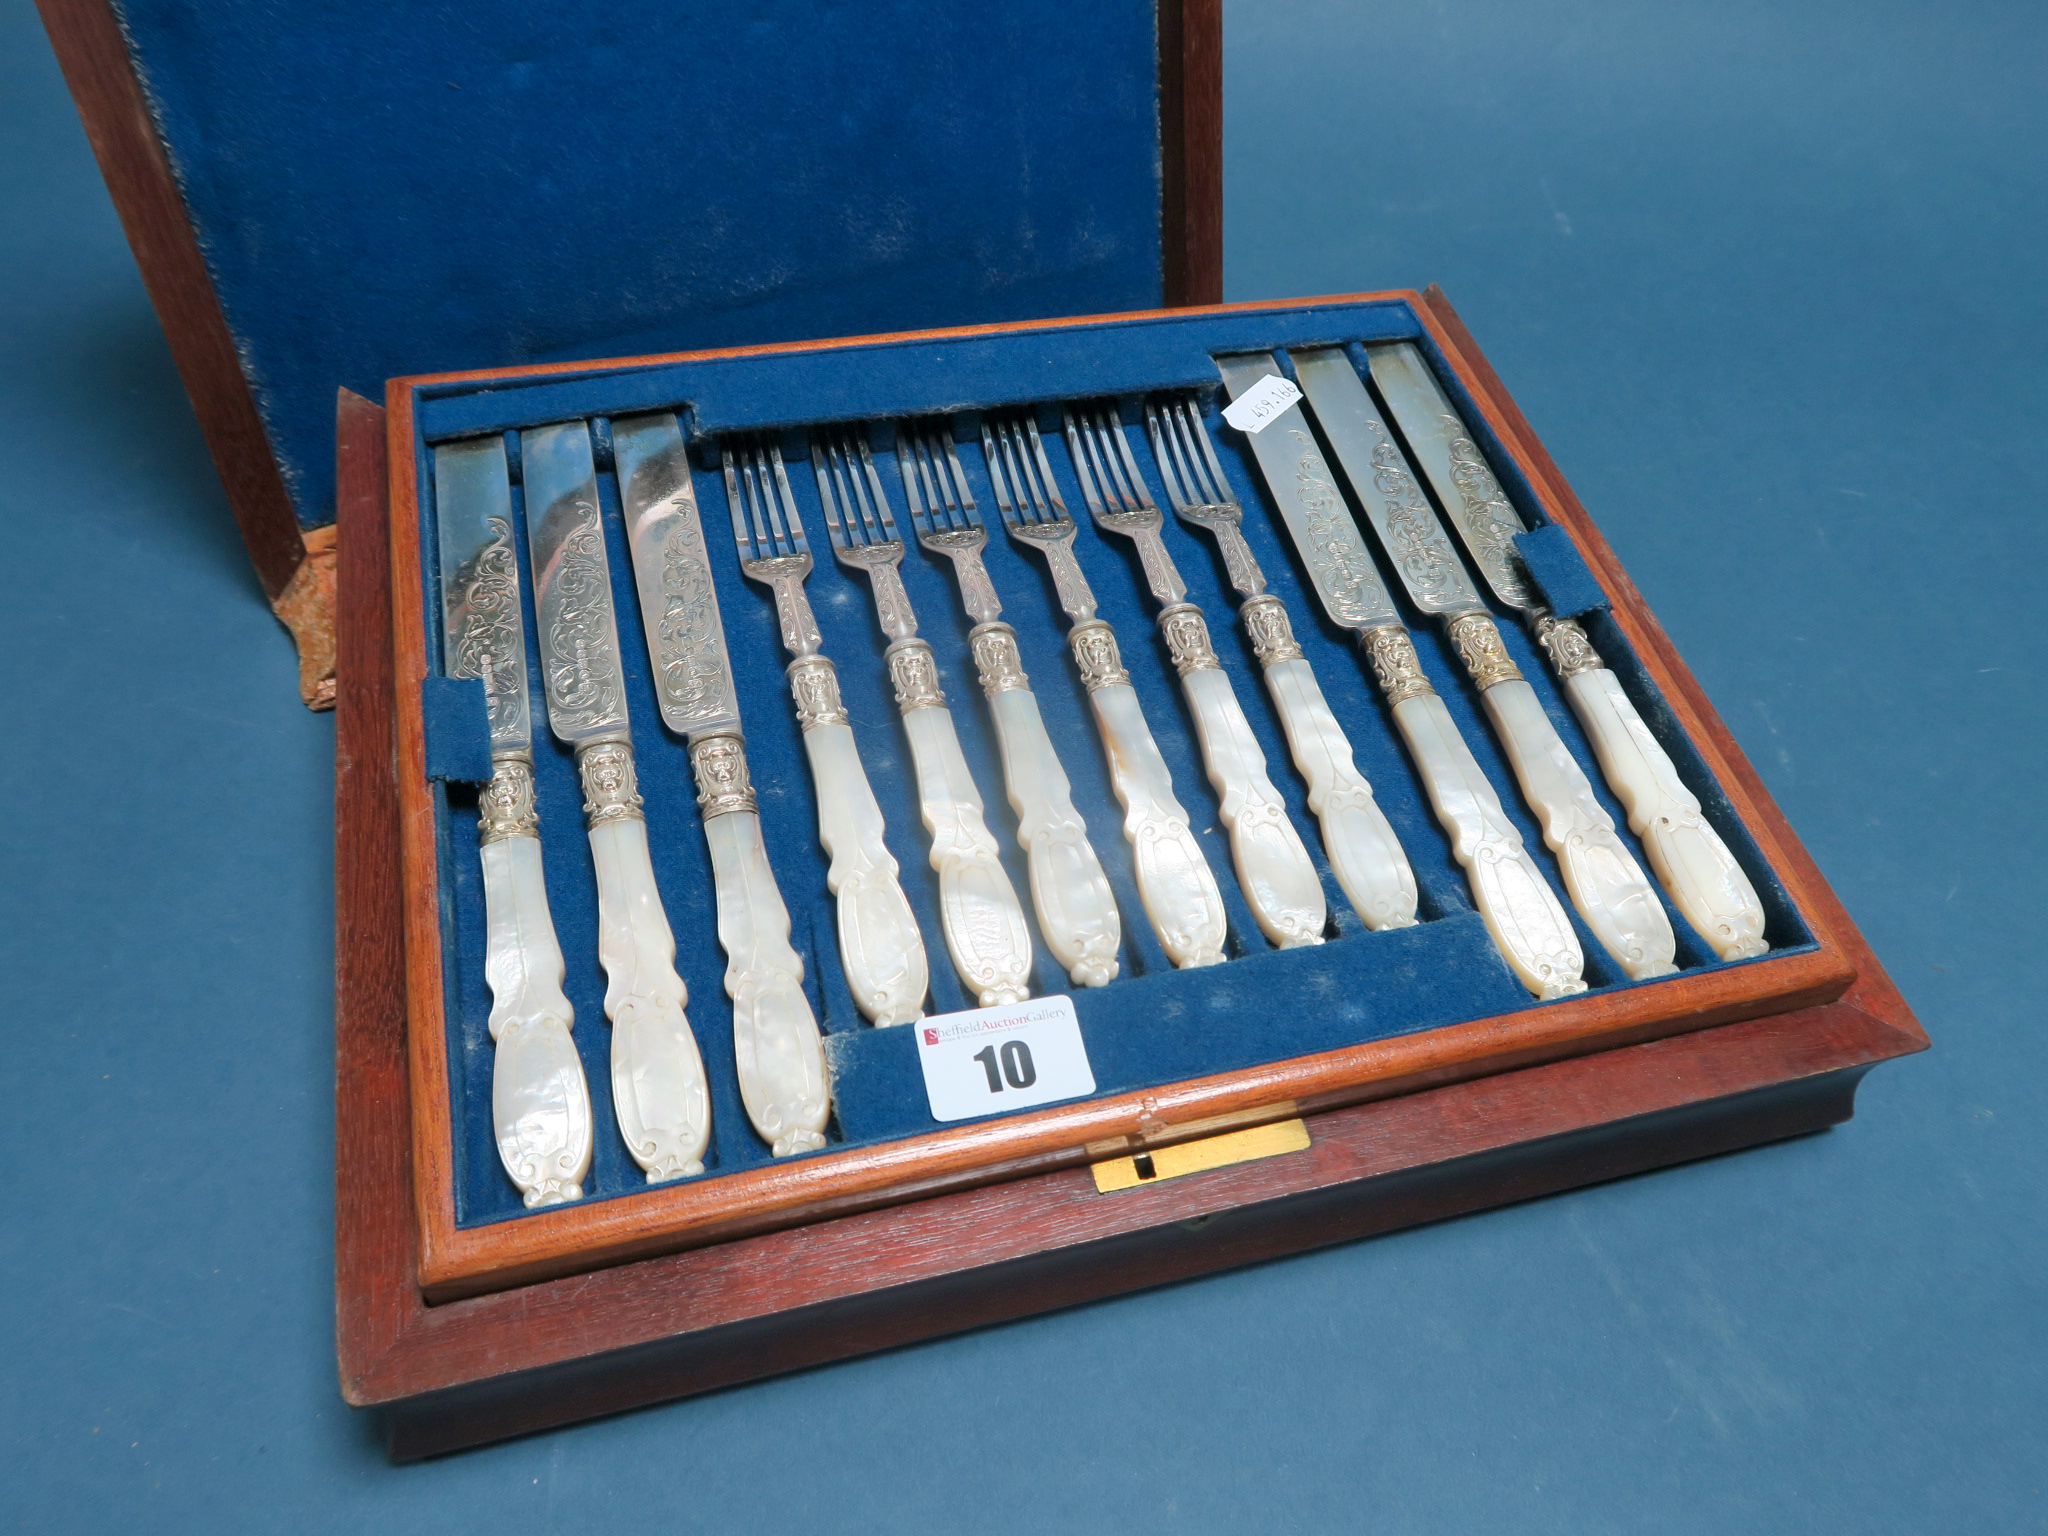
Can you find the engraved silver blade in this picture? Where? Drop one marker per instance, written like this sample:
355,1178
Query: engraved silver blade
572,585
1479,509
1310,504
1393,498
678,602
480,612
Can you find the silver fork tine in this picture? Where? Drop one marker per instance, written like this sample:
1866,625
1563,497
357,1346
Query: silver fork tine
736,505
794,524
823,469
1219,484
906,471
960,501
872,495
1187,461
1133,477
929,476
992,450
1166,448
846,483
1049,495
1081,449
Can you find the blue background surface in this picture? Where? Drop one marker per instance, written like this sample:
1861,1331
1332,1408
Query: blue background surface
1769,282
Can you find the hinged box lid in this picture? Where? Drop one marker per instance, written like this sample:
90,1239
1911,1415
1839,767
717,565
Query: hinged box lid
333,195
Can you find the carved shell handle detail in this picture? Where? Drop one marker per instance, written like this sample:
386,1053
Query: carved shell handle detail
1525,918
978,908
1364,854
1608,887
540,1103
1274,870
777,1050
1695,866
659,1091
879,945
1175,882
1076,911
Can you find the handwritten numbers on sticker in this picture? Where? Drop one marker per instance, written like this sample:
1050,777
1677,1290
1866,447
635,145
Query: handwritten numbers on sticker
1255,409
990,1060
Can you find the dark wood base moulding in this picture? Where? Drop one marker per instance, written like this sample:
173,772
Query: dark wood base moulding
464,1371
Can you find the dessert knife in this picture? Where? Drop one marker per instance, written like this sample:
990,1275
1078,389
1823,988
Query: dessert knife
540,1103
1695,866
1175,883
1606,883
979,913
1076,910
659,1093
1527,922
1364,854
777,1049
1274,870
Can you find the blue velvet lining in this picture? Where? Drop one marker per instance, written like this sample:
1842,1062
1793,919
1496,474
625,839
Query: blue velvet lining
1151,1026
383,190
457,725
1559,572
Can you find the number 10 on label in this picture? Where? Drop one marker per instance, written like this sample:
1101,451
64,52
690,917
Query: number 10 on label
993,1060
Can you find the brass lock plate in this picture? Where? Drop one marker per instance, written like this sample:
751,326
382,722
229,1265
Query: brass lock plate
1200,1156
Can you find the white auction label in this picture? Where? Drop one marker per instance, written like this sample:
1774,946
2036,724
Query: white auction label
1012,1056
1254,410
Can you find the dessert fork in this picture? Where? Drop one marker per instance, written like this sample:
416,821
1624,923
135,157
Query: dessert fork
1076,912
978,909
1273,868
879,945
1175,883
1364,854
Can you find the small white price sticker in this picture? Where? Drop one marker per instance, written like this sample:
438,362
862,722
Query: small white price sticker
1012,1056
1254,410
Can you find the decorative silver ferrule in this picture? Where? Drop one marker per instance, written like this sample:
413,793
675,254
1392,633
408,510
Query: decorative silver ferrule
723,784
1395,664
814,684
997,660
611,791
1570,651
1272,635
915,675
1095,652
505,806
1479,646
1187,639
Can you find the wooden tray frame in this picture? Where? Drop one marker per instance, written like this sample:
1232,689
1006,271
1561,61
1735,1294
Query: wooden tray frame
1402,1131
457,1261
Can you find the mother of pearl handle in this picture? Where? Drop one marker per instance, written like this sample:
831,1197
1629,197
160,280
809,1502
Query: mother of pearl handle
658,1087
1364,854
540,1104
1608,887
879,945
1174,879
1076,910
1274,870
1695,866
1526,920
777,1050
978,908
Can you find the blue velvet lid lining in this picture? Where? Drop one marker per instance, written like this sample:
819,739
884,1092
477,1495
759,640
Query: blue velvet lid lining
1153,1025
381,190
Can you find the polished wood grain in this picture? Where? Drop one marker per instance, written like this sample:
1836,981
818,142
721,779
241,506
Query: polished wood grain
86,36
473,1370
455,1261
1191,150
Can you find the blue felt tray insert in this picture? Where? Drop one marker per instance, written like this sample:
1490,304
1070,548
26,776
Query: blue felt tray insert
382,190
1153,1025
